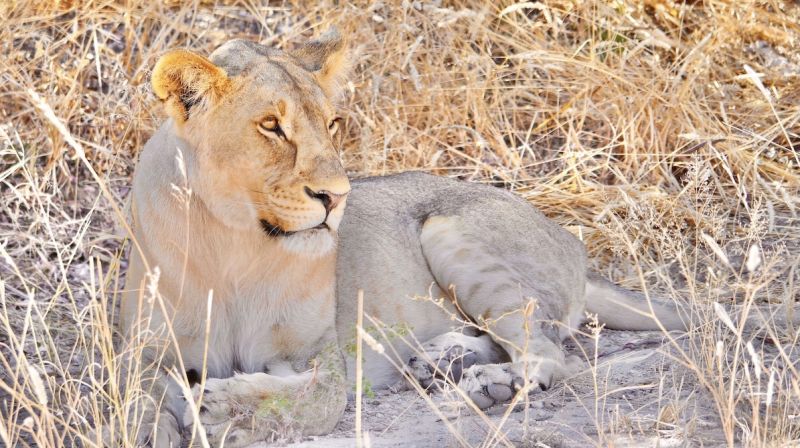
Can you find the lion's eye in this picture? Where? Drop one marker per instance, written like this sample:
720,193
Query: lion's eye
271,125
334,125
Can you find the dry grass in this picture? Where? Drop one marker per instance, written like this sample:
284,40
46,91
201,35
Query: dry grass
663,133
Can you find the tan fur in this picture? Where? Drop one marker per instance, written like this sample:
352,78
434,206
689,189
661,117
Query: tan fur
327,58
184,76
205,183
237,200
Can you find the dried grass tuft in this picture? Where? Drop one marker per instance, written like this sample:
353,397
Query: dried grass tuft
664,133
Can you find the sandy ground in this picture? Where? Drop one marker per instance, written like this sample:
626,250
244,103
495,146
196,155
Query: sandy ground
643,398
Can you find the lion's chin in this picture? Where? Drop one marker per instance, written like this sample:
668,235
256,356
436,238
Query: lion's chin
312,243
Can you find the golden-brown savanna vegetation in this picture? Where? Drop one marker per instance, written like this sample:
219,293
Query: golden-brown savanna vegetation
664,133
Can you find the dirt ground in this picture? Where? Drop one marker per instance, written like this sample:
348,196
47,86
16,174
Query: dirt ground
637,393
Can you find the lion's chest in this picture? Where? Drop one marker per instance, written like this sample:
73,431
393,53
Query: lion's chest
263,330
269,310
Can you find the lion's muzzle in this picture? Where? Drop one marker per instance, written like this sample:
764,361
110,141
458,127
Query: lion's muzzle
329,200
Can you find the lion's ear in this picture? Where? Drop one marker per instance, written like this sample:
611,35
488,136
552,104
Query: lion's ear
327,58
185,81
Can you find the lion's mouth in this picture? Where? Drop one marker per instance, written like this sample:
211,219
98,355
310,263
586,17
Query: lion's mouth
276,231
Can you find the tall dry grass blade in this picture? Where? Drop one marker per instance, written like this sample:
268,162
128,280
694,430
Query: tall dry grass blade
359,367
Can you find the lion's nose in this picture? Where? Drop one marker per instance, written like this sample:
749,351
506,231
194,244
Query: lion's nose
329,200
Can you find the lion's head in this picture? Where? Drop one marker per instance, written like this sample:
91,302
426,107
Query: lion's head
262,128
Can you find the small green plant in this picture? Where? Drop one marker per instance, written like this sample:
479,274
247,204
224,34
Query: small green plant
277,405
366,388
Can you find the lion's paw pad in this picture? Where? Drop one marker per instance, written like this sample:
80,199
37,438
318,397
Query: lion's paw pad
487,385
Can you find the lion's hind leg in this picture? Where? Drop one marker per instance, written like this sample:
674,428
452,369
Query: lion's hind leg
521,301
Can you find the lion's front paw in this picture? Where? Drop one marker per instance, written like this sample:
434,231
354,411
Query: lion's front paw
215,407
158,430
167,434
218,414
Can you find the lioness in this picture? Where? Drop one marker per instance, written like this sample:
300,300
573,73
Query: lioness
239,200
